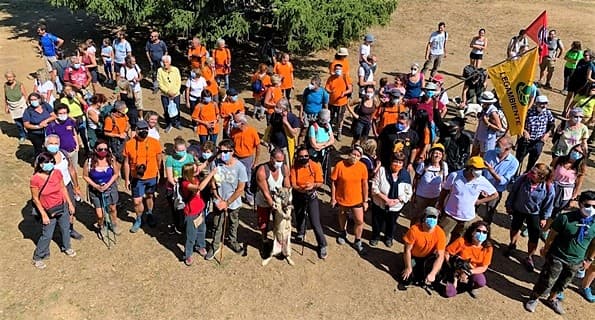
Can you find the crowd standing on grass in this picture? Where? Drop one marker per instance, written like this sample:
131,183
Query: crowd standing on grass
408,156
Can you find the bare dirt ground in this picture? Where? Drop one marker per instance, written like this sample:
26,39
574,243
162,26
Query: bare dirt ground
142,278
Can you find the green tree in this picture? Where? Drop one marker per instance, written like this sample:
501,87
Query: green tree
304,25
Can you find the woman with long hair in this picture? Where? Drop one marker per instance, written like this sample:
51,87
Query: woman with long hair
94,127
478,45
363,115
427,184
101,175
44,86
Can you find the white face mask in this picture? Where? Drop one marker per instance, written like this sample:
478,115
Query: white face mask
370,95
588,212
477,173
62,117
278,164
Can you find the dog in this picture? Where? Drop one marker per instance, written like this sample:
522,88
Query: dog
282,209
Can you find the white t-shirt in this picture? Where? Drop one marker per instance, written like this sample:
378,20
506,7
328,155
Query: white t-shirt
91,50
153,133
431,179
364,51
44,88
362,73
131,73
460,203
121,50
196,87
444,98
437,42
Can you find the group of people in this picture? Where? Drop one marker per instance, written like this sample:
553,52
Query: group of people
405,158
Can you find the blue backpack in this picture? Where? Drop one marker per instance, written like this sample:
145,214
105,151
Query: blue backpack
257,86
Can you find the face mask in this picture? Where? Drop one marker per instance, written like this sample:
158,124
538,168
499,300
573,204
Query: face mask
575,155
430,94
302,161
498,150
234,98
76,65
400,127
52,148
279,111
207,155
47,167
192,75
480,237
311,87
34,103
413,71
143,134
278,164
338,72
431,222
71,94
225,157
62,117
395,167
395,101
588,212
102,154
235,125
370,95
181,154
207,99
477,173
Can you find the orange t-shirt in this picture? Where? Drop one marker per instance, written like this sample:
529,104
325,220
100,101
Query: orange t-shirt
387,115
480,256
335,86
229,108
301,176
286,73
222,58
276,95
143,152
209,75
245,142
206,112
266,82
343,62
120,125
425,243
199,56
348,182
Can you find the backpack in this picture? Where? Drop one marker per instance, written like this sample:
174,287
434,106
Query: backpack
503,121
253,183
468,70
105,112
257,86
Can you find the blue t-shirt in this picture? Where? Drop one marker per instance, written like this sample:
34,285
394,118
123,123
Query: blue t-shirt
121,49
48,44
321,134
176,165
35,118
314,100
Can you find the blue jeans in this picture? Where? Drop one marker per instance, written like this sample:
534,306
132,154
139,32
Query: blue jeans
175,121
20,127
225,78
209,137
42,250
191,235
201,231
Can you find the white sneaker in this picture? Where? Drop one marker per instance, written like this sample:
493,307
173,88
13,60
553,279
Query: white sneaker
39,264
70,252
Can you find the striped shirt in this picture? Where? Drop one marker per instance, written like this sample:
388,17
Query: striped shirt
537,123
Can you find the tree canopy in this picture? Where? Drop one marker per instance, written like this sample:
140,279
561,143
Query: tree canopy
302,25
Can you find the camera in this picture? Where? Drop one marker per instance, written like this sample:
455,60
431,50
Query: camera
140,170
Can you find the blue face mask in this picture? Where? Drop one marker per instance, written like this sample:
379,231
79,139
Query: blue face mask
480,237
575,155
181,154
207,155
192,75
400,127
52,148
498,150
47,167
430,94
226,156
234,98
34,103
431,222
207,99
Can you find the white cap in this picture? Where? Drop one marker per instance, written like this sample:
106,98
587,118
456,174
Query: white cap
542,99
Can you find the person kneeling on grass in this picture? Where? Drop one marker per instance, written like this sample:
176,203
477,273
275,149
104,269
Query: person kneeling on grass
425,243
570,246
475,247
190,190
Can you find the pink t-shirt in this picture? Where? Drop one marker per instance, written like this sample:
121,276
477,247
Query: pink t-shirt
429,107
566,178
52,195
76,76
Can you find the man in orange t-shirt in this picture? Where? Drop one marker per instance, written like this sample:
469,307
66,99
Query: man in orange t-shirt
389,111
285,70
265,82
116,128
340,58
339,88
349,191
246,141
197,54
142,158
208,72
231,105
306,177
425,243
222,58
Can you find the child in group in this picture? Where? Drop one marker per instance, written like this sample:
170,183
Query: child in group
107,54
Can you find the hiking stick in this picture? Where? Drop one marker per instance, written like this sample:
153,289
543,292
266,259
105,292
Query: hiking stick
306,214
223,236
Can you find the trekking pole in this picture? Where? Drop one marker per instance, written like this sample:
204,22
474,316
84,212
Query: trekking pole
223,236
306,216
107,222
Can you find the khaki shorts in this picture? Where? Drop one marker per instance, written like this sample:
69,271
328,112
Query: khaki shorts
49,62
138,100
547,64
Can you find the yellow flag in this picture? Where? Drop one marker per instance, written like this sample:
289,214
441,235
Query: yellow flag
512,80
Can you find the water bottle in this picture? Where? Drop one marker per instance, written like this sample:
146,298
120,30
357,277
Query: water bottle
580,273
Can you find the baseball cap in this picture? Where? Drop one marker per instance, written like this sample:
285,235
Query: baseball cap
142,124
394,92
476,162
232,92
438,146
369,38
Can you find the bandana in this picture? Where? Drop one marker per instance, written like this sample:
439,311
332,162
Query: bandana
584,225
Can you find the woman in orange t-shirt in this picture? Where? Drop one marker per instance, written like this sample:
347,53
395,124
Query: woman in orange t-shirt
285,70
222,57
206,114
208,72
265,81
231,105
475,246
349,191
272,95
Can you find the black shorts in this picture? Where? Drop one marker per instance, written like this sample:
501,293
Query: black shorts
361,129
476,56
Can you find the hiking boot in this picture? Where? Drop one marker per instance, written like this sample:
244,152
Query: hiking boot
212,253
587,294
373,242
188,261
525,232
529,264
70,252
75,235
509,250
556,305
359,246
39,264
531,305
341,239
322,254
388,243
236,247
136,225
151,220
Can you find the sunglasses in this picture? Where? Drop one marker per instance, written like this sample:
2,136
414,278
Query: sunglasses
481,231
588,205
414,69
304,157
580,117
225,151
102,149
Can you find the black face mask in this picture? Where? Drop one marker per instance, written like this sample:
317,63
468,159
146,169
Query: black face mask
143,133
302,161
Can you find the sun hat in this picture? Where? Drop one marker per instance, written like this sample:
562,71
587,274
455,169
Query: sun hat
342,52
541,99
487,97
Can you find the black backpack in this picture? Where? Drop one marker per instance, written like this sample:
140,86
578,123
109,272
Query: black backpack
253,183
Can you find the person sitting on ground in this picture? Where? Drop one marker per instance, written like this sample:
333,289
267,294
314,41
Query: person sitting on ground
423,256
475,245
